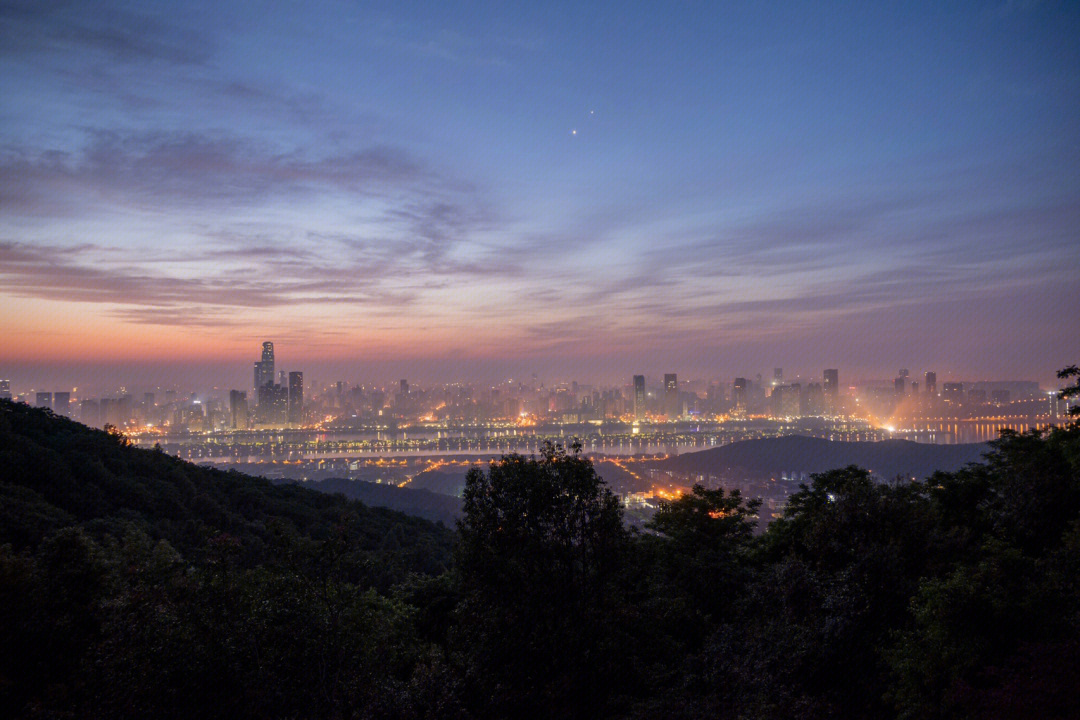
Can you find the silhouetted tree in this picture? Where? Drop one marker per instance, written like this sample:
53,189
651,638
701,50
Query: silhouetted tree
541,545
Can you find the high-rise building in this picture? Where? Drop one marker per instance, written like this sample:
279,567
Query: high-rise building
739,393
5,389
61,403
43,400
953,392
832,382
812,401
264,368
904,373
238,409
785,400
778,375
296,398
931,383
88,413
793,400
403,387
671,396
109,411
900,386
639,397
273,407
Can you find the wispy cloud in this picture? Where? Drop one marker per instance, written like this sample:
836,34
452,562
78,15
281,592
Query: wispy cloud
171,170
40,27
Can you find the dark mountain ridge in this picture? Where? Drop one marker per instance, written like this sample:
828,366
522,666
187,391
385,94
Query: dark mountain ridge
433,506
796,453
56,473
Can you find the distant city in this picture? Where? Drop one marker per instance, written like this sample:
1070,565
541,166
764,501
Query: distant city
287,427
662,410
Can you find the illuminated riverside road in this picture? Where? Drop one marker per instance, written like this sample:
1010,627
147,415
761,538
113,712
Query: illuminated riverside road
308,446
312,446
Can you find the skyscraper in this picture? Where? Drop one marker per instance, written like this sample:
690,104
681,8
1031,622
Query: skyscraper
264,369
671,396
931,383
273,405
832,382
639,397
296,398
5,389
61,403
238,410
89,413
953,392
739,393
44,400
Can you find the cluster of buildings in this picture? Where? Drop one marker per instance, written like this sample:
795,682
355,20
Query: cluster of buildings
277,404
279,399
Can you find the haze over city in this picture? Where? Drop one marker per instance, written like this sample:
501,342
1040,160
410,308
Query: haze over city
486,191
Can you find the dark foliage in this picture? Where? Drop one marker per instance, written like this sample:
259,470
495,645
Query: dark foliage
134,584
541,547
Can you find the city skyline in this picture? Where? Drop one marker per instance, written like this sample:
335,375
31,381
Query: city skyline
485,191
292,386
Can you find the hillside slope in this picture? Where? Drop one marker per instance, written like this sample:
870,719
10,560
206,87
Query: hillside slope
795,453
426,504
56,473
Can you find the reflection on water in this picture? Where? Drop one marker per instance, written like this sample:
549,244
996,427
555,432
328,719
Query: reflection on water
968,431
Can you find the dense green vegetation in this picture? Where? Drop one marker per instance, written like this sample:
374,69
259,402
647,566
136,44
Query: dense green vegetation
132,584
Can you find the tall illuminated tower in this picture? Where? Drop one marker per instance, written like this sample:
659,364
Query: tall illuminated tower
639,397
832,382
264,369
931,383
739,393
296,398
238,409
671,396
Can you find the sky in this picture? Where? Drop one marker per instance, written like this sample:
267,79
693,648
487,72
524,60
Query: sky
582,190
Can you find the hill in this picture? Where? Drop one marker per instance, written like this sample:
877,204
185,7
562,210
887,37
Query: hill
795,453
451,480
56,473
138,585
436,507
448,481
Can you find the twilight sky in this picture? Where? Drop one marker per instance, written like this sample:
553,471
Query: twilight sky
470,190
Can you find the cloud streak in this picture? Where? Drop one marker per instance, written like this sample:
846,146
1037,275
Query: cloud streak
178,170
40,27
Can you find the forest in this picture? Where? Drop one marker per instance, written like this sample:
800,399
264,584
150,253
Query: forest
133,584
